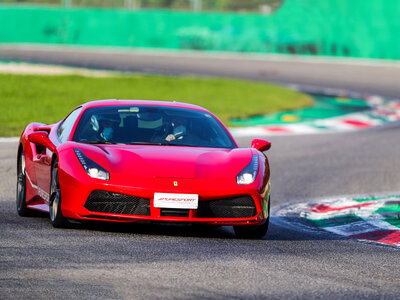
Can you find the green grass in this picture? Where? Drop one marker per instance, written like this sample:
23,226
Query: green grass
47,99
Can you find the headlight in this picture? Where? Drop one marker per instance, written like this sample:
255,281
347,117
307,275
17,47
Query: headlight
249,173
92,168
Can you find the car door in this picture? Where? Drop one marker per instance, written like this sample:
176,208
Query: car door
42,165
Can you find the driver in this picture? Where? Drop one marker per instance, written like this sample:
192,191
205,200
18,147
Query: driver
173,129
178,126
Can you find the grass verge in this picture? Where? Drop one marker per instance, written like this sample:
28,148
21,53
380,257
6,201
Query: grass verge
49,98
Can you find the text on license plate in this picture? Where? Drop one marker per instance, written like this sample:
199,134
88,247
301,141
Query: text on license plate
184,201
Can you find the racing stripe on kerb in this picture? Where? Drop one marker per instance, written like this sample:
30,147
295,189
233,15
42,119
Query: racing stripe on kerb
374,219
381,111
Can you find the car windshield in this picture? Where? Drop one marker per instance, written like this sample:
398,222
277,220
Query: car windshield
151,125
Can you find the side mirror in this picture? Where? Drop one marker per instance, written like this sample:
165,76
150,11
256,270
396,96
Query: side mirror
41,138
260,145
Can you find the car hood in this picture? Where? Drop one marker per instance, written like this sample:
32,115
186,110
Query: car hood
169,161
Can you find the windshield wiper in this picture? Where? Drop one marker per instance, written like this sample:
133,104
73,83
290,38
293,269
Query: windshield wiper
161,144
182,145
148,143
97,142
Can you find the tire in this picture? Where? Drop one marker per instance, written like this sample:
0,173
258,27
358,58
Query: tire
56,217
22,210
251,231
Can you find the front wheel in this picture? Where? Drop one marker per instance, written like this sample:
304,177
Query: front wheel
56,217
22,210
251,231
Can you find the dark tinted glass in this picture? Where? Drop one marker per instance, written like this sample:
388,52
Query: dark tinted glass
152,125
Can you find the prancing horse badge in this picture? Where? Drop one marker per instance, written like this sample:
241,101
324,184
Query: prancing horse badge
175,183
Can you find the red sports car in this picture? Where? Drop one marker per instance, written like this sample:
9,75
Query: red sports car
143,161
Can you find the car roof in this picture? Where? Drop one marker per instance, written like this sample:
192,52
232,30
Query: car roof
115,102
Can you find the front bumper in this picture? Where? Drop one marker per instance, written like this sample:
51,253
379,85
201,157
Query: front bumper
82,199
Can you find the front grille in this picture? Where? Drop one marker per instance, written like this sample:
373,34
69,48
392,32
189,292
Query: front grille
235,207
168,212
115,203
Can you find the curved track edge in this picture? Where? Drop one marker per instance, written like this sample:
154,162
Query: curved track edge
370,218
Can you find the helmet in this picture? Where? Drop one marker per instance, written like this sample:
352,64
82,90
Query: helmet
150,117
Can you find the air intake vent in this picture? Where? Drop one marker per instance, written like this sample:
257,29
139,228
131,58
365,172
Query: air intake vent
115,203
236,207
167,212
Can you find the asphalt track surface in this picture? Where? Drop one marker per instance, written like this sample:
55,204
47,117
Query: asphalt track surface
110,261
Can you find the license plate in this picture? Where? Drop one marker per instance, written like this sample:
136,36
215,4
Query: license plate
184,201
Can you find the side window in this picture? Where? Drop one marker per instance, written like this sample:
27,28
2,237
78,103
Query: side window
66,126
